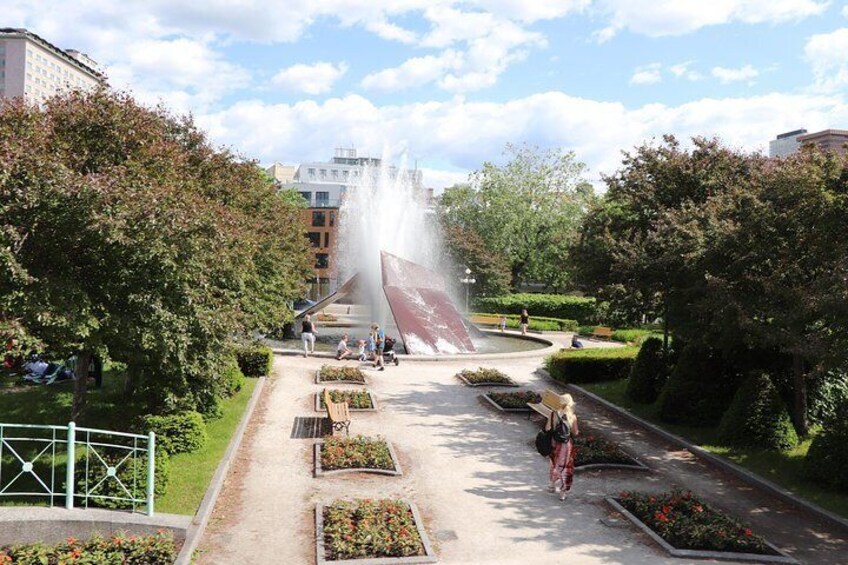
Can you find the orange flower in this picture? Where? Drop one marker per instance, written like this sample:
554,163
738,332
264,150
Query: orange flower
660,516
71,541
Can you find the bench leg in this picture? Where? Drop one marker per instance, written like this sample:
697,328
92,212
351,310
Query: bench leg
347,428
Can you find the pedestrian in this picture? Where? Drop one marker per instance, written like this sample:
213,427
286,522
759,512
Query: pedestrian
342,350
525,321
576,343
380,342
361,351
563,423
307,334
502,323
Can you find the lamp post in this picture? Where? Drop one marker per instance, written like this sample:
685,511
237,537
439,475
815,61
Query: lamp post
467,281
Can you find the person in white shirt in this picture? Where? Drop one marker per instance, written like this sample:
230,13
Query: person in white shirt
362,356
342,350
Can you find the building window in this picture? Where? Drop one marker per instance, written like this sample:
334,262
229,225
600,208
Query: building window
335,174
322,260
326,239
319,219
322,173
311,173
322,198
306,196
314,238
332,218
345,174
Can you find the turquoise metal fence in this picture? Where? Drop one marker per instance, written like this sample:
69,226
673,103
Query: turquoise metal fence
101,467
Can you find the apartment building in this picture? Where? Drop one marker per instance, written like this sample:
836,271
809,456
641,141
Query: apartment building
35,69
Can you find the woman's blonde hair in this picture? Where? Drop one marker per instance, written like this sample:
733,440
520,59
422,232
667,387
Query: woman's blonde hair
566,407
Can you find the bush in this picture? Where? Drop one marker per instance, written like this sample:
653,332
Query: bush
827,459
591,365
360,529
584,310
649,373
757,417
132,473
826,393
538,323
700,388
231,377
184,432
254,360
157,549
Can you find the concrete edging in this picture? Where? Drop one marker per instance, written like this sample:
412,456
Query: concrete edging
510,384
373,408
207,505
320,472
318,380
428,557
715,460
701,554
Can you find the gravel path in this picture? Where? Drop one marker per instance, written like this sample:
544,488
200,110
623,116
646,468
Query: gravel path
473,473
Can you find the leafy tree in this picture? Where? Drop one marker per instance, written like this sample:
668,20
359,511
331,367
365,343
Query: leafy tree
526,212
124,232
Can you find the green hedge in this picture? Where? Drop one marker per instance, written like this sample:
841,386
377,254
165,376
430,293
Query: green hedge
184,432
649,373
132,473
255,360
826,462
757,418
636,336
585,310
591,365
539,323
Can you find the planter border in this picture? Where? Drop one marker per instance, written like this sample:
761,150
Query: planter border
318,380
428,557
637,464
510,384
373,408
320,472
485,396
701,554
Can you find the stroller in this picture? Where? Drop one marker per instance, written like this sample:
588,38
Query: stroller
389,355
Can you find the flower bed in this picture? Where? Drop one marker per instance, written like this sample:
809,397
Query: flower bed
330,374
485,377
157,549
512,401
379,530
689,527
596,452
355,454
357,400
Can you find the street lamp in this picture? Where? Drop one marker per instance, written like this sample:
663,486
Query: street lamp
467,281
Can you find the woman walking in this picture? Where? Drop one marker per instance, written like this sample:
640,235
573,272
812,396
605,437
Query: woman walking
525,321
307,334
563,424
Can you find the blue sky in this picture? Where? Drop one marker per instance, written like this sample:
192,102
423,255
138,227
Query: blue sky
451,82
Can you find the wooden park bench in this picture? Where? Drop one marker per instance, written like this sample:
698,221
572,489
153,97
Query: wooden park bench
550,401
485,320
338,413
602,332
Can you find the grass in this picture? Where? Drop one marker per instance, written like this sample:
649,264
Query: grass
600,352
191,472
784,468
106,409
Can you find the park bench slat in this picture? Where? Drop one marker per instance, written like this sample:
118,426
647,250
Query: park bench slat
550,400
338,413
602,332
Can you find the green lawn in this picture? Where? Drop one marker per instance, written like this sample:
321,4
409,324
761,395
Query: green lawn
191,472
784,468
106,409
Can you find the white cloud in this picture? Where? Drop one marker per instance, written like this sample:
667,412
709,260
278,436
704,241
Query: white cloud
460,134
657,18
316,78
647,74
726,75
827,54
414,72
683,70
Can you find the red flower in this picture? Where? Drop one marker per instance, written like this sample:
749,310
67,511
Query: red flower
698,508
660,516
666,509
748,531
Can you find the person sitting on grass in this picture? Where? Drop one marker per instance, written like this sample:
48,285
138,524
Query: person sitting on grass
342,350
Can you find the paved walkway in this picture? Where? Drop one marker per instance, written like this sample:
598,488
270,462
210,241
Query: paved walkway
474,475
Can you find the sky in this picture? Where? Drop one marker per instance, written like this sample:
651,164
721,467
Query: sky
449,83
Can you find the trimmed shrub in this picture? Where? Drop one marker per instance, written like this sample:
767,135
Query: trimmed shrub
826,393
184,432
254,360
700,388
132,473
591,365
757,417
584,310
649,373
539,323
827,459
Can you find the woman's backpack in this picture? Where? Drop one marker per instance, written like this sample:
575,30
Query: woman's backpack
562,429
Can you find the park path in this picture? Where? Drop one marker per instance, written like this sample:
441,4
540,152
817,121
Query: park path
474,475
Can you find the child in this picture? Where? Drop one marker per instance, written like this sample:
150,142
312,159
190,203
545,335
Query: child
502,323
361,352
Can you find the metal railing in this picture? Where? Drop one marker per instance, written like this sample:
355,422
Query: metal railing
101,467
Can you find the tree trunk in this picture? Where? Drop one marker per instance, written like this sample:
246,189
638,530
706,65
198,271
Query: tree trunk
133,378
80,384
799,387
665,330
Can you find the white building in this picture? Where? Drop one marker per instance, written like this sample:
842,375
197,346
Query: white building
786,143
35,69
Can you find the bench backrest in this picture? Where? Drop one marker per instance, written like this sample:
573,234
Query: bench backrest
485,320
337,411
550,399
602,330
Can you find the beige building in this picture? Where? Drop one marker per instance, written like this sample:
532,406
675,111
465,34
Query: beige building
827,140
35,69
282,174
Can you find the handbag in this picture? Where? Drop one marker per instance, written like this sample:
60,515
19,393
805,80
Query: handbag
543,443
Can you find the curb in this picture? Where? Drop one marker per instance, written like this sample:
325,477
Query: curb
698,553
720,462
204,512
319,471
